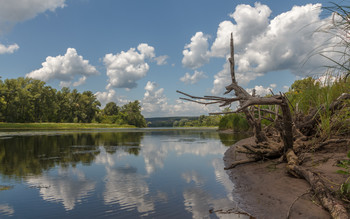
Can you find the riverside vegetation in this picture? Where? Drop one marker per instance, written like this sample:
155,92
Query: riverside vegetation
26,100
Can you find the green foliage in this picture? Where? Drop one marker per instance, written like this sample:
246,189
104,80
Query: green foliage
236,122
308,94
111,109
60,126
201,121
131,114
29,100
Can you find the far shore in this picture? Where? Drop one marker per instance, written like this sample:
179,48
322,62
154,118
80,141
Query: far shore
59,126
77,126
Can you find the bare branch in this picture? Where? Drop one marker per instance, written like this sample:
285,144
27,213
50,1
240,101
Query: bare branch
232,61
205,103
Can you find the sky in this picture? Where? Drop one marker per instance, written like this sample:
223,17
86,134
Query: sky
126,50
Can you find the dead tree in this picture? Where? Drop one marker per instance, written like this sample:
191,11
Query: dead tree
264,147
246,101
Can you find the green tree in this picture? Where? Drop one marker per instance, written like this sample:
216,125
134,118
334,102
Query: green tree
111,109
88,107
132,114
64,110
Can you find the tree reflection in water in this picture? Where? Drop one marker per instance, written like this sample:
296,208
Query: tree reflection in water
32,154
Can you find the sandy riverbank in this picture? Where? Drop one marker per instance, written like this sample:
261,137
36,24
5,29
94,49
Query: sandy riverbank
266,190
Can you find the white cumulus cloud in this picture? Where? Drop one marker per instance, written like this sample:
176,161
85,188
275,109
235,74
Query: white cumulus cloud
261,90
223,78
65,68
192,79
110,96
146,50
196,53
286,43
264,43
154,100
156,104
106,97
250,22
126,68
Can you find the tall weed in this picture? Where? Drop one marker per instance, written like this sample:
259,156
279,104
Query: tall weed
310,93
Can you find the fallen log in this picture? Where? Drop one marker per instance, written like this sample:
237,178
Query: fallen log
328,201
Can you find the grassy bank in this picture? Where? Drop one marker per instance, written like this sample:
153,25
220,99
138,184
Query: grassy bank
60,126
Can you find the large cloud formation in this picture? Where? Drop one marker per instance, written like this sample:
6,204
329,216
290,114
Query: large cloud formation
126,68
65,68
264,44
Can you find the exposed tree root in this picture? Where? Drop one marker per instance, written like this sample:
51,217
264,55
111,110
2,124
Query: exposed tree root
330,141
256,152
334,206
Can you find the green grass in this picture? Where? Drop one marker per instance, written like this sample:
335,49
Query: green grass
60,126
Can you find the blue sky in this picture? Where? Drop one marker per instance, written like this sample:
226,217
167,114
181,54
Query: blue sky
125,50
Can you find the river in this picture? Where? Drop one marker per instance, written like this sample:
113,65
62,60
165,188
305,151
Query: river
115,173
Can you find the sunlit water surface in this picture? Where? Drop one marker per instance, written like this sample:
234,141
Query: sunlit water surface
109,173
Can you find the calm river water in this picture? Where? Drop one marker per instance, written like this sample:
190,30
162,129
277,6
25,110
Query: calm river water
113,173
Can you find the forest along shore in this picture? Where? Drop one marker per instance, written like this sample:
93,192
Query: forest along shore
264,189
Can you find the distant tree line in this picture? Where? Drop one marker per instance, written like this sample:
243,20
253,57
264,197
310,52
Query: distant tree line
166,121
201,121
30,100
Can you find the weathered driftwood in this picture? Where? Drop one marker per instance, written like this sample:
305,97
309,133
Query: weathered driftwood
334,206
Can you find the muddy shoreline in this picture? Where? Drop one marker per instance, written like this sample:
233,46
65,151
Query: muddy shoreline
265,190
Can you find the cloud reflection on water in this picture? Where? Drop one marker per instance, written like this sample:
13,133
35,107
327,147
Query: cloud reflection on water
69,187
199,201
127,188
156,152
6,210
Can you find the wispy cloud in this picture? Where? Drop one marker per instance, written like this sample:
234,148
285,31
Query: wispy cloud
8,49
192,79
